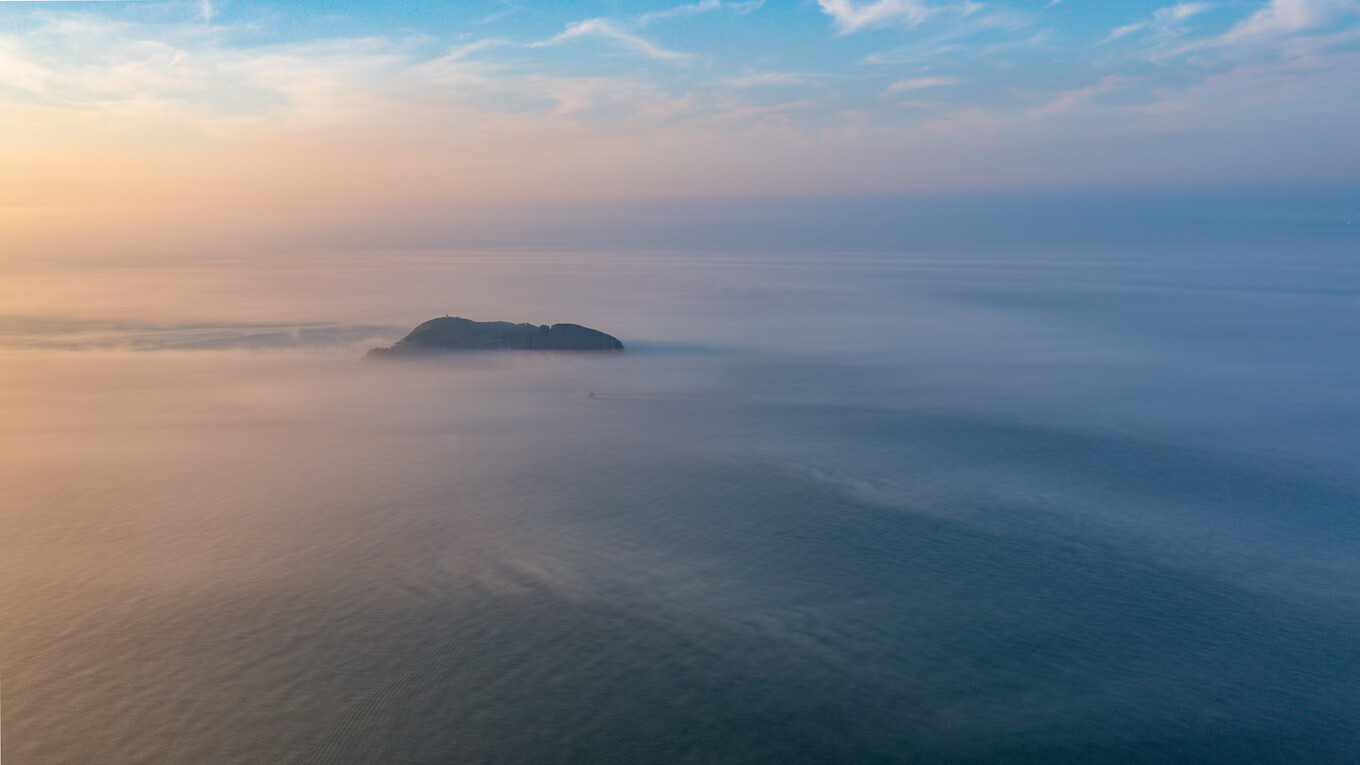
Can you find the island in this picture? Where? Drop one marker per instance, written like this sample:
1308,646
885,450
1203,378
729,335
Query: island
454,333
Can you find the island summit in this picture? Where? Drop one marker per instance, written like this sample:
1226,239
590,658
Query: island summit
459,334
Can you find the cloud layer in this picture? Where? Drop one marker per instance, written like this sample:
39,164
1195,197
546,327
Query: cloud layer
191,114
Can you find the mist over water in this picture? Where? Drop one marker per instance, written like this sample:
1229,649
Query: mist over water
982,501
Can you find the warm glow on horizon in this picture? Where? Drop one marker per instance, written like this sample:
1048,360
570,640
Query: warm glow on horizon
148,117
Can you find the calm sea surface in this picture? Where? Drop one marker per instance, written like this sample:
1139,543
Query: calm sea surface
1083,504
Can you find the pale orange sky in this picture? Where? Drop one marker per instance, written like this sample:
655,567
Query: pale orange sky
145,136
125,125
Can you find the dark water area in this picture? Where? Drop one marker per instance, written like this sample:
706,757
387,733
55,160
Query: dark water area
1021,505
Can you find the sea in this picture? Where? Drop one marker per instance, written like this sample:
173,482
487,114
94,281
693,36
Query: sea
875,481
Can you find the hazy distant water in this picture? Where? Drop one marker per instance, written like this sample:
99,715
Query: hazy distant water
1016,504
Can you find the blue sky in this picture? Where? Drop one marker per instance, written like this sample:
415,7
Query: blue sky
337,108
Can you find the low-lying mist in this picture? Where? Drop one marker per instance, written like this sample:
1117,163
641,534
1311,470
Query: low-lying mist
999,503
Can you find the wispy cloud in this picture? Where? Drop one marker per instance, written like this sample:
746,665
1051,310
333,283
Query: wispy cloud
1275,26
1164,21
693,9
774,79
918,83
1286,17
1124,31
851,16
606,29
1071,99
514,115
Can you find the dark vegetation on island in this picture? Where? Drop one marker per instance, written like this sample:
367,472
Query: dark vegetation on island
459,334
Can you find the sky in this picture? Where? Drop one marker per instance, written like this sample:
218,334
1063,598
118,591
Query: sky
132,116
